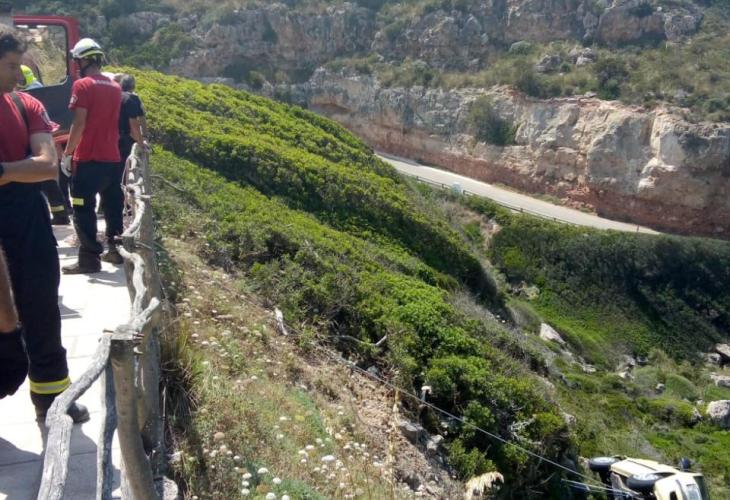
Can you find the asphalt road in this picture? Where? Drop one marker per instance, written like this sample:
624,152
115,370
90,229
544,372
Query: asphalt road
509,199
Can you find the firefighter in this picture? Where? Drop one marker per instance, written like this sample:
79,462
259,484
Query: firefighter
28,157
53,189
28,81
97,167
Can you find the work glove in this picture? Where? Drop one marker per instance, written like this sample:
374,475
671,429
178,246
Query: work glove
13,362
66,165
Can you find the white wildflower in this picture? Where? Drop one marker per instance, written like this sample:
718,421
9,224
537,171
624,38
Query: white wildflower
328,459
245,484
276,481
237,458
309,447
270,496
262,471
280,436
245,492
247,475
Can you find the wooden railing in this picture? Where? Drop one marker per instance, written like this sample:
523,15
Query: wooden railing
128,363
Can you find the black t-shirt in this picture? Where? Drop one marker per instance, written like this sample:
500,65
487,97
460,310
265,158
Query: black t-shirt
131,108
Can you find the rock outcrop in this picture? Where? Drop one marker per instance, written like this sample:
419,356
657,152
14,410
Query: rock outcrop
627,163
276,37
549,334
273,38
719,413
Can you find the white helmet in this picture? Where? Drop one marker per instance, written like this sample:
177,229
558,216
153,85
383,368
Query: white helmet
86,47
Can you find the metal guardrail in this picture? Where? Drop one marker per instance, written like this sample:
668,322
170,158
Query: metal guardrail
128,363
504,204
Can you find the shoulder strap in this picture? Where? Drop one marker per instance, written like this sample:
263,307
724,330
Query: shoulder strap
21,107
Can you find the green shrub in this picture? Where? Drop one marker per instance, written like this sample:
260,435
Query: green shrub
669,410
469,463
642,10
680,387
611,72
488,125
524,315
256,80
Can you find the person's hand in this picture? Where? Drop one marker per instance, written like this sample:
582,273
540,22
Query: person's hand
67,165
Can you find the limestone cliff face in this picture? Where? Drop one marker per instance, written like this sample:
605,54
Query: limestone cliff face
649,167
275,37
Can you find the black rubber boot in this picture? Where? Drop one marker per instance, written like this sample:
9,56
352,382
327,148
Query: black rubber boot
79,269
60,220
113,256
42,402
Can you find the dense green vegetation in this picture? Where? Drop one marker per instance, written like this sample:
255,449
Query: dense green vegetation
339,242
306,161
612,293
344,284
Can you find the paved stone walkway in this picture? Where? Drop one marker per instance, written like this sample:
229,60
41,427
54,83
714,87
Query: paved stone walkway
89,304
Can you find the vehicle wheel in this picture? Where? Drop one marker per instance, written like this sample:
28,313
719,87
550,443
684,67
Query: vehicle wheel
601,465
643,483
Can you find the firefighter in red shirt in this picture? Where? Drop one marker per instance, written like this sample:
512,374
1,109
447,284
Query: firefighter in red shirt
98,168
28,157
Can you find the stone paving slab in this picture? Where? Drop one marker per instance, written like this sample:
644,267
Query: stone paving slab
89,305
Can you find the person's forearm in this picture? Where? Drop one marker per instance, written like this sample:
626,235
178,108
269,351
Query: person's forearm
143,126
74,138
34,169
135,130
8,314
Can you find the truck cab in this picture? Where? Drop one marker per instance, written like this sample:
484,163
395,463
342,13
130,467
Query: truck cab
632,478
50,39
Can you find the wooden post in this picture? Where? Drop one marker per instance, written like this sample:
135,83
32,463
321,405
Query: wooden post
136,465
104,465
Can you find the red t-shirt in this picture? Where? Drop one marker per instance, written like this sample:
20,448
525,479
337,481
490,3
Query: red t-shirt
14,137
102,99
